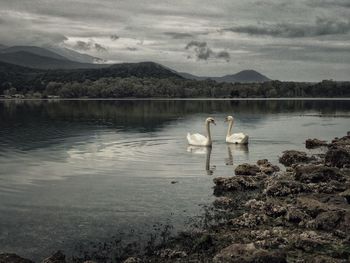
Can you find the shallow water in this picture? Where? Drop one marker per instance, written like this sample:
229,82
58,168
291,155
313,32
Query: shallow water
72,172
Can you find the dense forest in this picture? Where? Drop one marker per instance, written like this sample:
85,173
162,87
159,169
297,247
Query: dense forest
145,80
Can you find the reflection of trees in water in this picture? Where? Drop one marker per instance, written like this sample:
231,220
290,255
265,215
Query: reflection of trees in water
27,118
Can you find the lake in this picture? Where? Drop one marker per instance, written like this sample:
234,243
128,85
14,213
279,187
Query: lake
74,174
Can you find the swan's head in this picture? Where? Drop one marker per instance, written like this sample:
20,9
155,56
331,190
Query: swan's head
210,120
228,119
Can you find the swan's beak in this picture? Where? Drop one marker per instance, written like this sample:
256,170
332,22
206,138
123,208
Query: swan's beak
225,120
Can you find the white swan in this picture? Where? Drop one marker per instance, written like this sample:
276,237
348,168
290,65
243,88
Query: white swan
197,139
238,138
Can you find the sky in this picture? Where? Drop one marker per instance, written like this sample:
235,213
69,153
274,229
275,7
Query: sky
300,40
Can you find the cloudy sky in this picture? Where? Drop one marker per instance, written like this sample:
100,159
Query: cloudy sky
304,40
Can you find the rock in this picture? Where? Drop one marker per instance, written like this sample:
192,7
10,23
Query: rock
343,142
172,254
224,202
266,167
248,253
309,241
314,143
293,157
247,169
13,258
337,157
174,182
327,220
58,257
296,215
234,183
285,187
330,187
316,174
248,220
133,260
346,195
312,206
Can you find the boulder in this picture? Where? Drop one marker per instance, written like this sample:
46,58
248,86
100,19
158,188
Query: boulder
317,173
247,169
327,220
346,195
248,253
13,258
314,143
266,167
293,157
337,157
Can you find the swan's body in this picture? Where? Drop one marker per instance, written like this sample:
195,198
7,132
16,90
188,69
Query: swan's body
197,139
237,138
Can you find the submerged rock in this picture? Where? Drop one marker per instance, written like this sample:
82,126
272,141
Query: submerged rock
314,143
293,157
248,253
247,169
13,258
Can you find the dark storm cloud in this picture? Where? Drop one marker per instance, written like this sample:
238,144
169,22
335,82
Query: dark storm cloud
114,37
321,27
203,52
178,35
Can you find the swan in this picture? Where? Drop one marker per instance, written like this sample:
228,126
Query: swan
197,139
237,138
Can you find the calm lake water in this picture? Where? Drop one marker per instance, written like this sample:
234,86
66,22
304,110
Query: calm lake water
74,173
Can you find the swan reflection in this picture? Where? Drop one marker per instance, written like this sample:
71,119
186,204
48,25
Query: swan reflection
236,150
203,150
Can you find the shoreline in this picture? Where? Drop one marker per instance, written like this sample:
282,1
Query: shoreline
262,213
170,99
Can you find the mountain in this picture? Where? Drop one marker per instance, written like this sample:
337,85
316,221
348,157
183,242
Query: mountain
74,55
2,46
245,76
34,50
32,60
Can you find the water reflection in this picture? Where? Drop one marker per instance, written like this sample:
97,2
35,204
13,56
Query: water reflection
235,150
203,150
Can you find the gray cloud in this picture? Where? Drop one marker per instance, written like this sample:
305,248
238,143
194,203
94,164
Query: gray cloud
178,35
100,48
223,55
321,27
114,37
329,3
131,48
203,52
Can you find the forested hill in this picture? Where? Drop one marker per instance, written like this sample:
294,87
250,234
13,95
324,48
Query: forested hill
148,79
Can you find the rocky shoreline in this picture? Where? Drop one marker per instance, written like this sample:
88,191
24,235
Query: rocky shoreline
264,214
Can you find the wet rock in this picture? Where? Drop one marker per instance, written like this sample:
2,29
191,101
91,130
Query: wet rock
172,254
224,202
327,220
309,241
330,187
248,220
316,174
266,167
248,253
285,188
312,206
13,258
133,260
235,183
247,169
337,157
343,142
58,257
293,157
297,216
346,195
314,143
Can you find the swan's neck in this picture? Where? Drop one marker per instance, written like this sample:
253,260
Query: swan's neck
229,130
207,126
